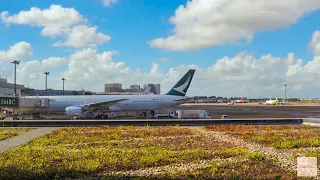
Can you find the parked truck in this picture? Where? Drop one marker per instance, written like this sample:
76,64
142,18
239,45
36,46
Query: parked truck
163,114
193,114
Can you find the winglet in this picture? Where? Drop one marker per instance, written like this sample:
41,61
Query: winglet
181,88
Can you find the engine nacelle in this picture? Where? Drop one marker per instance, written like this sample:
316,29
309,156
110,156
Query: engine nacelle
72,111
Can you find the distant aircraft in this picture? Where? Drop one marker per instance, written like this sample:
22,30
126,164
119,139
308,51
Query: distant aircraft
239,100
272,102
77,105
147,90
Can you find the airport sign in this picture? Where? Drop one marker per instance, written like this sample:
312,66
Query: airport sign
9,101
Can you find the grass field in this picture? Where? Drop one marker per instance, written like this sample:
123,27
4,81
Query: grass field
6,133
283,137
144,152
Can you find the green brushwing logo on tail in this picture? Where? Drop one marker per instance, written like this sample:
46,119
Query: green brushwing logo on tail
181,88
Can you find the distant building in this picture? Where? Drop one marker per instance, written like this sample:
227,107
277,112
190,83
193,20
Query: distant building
116,87
52,92
8,88
135,87
155,88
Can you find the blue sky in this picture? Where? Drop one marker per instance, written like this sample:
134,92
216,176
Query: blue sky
131,24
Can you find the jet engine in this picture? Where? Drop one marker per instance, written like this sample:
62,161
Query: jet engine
71,111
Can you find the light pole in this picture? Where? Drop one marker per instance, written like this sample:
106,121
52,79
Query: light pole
15,62
46,73
63,79
285,92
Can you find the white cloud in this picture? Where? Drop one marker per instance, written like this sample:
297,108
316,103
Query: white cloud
53,62
109,2
155,71
229,76
315,42
82,35
30,74
205,23
16,52
61,22
241,75
55,20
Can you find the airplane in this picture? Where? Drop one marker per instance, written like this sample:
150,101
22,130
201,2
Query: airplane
77,105
239,100
272,102
147,90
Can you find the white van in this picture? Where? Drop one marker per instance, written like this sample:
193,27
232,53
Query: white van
224,116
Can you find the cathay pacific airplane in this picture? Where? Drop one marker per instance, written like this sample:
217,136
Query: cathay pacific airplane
75,105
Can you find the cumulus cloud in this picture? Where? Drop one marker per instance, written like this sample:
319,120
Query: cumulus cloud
82,35
57,21
241,75
91,69
53,62
109,2
16,52
30,74
204,23
315,42
228,76
155,70
54,20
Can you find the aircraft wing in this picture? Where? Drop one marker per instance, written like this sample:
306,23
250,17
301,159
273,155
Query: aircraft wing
103,103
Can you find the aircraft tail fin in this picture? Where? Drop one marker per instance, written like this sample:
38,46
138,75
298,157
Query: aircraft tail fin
182,86
147,90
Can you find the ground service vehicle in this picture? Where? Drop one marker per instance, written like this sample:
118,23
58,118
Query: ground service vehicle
193,114
163,114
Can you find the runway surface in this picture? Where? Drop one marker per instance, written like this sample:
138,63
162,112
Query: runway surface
257,111
238,114
151,122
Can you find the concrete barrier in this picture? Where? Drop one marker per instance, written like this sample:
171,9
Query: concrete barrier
311,121
151,122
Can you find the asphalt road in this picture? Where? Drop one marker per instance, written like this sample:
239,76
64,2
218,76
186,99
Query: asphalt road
151,122
262,111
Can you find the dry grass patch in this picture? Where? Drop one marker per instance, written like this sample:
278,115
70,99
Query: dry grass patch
241,167
90,151
74,152
246,169
6,133
283,137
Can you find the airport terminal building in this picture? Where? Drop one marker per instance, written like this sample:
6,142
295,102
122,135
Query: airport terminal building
52,92
7,89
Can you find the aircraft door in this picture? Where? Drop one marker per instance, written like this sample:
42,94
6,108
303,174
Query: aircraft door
161,102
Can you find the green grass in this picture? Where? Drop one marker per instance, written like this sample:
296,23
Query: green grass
73,152
6,133
94,151
282,137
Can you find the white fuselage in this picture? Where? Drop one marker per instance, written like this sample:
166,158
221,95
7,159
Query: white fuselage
134,102
270,102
